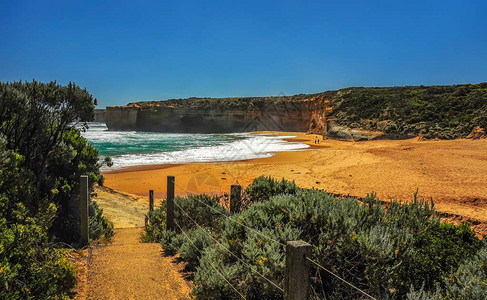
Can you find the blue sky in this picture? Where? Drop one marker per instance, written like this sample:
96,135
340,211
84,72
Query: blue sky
124,51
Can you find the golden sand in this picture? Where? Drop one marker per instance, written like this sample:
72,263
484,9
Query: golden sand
453,173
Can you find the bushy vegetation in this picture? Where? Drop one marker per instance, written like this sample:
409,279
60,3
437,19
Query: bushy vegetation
205,210
265,187
398,251
42,156
446,112
240,103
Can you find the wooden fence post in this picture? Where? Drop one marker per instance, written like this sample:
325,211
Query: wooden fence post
296,285
235,198
84,199
170,203
151,200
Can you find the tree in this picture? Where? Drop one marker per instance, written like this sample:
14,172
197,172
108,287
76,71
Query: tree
42,155
35,116
42,122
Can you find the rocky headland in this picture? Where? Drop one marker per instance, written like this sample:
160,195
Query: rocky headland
357,113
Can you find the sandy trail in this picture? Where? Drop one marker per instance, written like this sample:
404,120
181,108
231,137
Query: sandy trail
122,209
453,173
126,268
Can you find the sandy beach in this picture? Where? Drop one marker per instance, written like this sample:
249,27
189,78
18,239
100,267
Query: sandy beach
452,172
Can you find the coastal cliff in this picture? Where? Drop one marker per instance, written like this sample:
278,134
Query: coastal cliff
100,115
356,113
204,115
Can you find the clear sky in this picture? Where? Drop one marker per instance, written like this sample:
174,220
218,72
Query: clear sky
124,51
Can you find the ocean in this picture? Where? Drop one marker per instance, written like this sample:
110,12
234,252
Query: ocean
133,148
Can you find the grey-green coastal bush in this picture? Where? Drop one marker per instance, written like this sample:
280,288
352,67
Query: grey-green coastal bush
100,226
468,282
265,187
391,252
189,246
263,255
203,209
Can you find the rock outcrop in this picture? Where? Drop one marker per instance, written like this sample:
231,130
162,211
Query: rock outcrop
355,113
100,115
353,134
311,114
208,117
477,133
121,117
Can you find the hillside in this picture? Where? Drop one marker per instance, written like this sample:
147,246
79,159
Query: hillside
436,111
445,112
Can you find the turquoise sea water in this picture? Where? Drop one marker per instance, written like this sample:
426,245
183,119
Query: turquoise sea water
131,148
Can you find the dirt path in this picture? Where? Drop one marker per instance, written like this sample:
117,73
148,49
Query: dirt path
128,269
122,209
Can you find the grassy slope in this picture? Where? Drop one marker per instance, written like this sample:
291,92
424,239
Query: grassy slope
436,111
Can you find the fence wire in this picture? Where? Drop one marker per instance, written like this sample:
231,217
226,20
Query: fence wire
214,268
343,280
229,251
270,239
235,221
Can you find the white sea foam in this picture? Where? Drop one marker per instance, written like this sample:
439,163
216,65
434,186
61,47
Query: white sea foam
249,148
129,147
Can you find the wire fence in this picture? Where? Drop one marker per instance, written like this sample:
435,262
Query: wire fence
338,277
229,251
235,221
242,261
214,268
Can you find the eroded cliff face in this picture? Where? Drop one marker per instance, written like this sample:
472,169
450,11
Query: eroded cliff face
355,113
213,117
100,115
302,113
121,117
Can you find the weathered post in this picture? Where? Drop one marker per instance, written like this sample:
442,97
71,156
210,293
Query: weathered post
296,285
235,198
170,203
151,200
83,209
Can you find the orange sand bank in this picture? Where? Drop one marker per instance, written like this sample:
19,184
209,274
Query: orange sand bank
453,173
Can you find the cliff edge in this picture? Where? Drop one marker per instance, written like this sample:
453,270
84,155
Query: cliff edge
356,113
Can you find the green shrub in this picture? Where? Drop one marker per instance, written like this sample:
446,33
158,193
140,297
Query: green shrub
215,286
263,255
155,225
437,251
191,247
170,241
469,281
99,224
422,294
203,209
382,251
42,156
394,252
29,265
265,187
